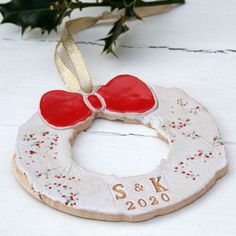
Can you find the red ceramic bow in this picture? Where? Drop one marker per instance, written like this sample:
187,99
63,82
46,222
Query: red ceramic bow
123,94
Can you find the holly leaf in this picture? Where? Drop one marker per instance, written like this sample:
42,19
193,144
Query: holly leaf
44,14
118,28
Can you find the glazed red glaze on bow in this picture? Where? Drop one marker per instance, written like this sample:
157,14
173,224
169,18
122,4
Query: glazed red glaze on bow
123,94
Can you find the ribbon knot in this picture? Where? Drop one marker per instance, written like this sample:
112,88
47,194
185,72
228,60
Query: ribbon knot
95,102
124,94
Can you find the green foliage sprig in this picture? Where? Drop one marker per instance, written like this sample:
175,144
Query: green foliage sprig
48,14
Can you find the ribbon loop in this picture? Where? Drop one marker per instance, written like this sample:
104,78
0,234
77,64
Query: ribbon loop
71,65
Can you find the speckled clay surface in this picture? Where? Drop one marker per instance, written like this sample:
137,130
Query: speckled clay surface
44,166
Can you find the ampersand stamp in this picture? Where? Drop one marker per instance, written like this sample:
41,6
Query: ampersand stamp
138,187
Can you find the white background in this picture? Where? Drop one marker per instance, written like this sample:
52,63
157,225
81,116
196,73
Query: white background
192,47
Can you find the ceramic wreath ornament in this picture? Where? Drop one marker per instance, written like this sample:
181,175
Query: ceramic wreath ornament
44,166
43,161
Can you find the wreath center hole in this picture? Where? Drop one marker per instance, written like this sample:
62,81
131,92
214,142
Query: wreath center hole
116,148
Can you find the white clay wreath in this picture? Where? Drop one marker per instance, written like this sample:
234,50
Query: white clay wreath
44,166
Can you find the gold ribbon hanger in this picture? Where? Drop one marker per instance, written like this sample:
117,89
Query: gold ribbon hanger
68,58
